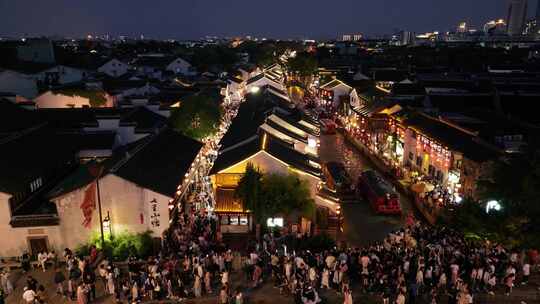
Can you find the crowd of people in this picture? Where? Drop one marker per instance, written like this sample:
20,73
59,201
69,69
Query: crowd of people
415,262
418,261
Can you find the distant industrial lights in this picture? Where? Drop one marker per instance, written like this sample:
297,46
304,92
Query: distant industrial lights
254,90
493,205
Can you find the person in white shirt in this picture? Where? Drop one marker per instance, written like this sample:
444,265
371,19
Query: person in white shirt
29,296
42,260
526,273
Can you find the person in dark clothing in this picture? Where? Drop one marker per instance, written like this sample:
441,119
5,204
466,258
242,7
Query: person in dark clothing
31,283
59,279
90,280
25,262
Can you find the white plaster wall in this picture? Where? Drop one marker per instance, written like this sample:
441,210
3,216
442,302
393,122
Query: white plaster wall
126,203
179,66
15,240
263,161
263,82
269,164
114,68
339,91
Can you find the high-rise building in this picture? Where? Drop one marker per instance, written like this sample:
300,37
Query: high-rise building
351,37
517,14
406,38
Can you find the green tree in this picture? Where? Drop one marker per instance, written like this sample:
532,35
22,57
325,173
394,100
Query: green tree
249,190
304,65
514,182
267,195
285,194
260,53
198,116
220,57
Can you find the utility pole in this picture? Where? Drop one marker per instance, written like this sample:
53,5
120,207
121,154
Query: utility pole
100,212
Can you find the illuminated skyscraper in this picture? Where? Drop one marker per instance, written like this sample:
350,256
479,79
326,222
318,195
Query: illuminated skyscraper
517,14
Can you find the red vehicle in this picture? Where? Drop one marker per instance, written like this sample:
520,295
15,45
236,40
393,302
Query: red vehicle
328,126
380,194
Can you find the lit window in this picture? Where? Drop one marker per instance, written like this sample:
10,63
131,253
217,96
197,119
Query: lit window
243,220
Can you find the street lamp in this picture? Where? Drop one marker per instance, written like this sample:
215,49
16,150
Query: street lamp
338,228
107,223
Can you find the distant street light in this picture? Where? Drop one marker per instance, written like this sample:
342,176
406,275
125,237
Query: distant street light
493,205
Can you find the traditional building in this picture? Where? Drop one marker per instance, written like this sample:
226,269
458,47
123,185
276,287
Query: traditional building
44,178
336,93
274,137
114,68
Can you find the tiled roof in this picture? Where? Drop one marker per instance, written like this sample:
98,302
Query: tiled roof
455,139
273,146
161,165
144,119
251,114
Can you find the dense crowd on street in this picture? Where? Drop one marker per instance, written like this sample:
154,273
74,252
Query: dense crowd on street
418,261
415,262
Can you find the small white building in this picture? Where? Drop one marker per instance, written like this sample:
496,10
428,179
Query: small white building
254,84
114,68
248,72
181,66
235,89
335,90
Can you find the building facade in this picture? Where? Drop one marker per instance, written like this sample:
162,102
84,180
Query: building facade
517,15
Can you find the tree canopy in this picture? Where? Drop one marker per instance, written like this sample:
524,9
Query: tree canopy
249,190
198,116
515,184
267,195
214,56
305,64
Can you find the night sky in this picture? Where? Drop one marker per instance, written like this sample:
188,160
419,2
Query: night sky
188,19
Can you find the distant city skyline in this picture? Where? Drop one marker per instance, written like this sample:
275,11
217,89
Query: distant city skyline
192,19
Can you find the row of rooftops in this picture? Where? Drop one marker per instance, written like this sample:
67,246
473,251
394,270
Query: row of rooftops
493,106
264,123
46,145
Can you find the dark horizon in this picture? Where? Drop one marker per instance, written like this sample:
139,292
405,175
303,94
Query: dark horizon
192,19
